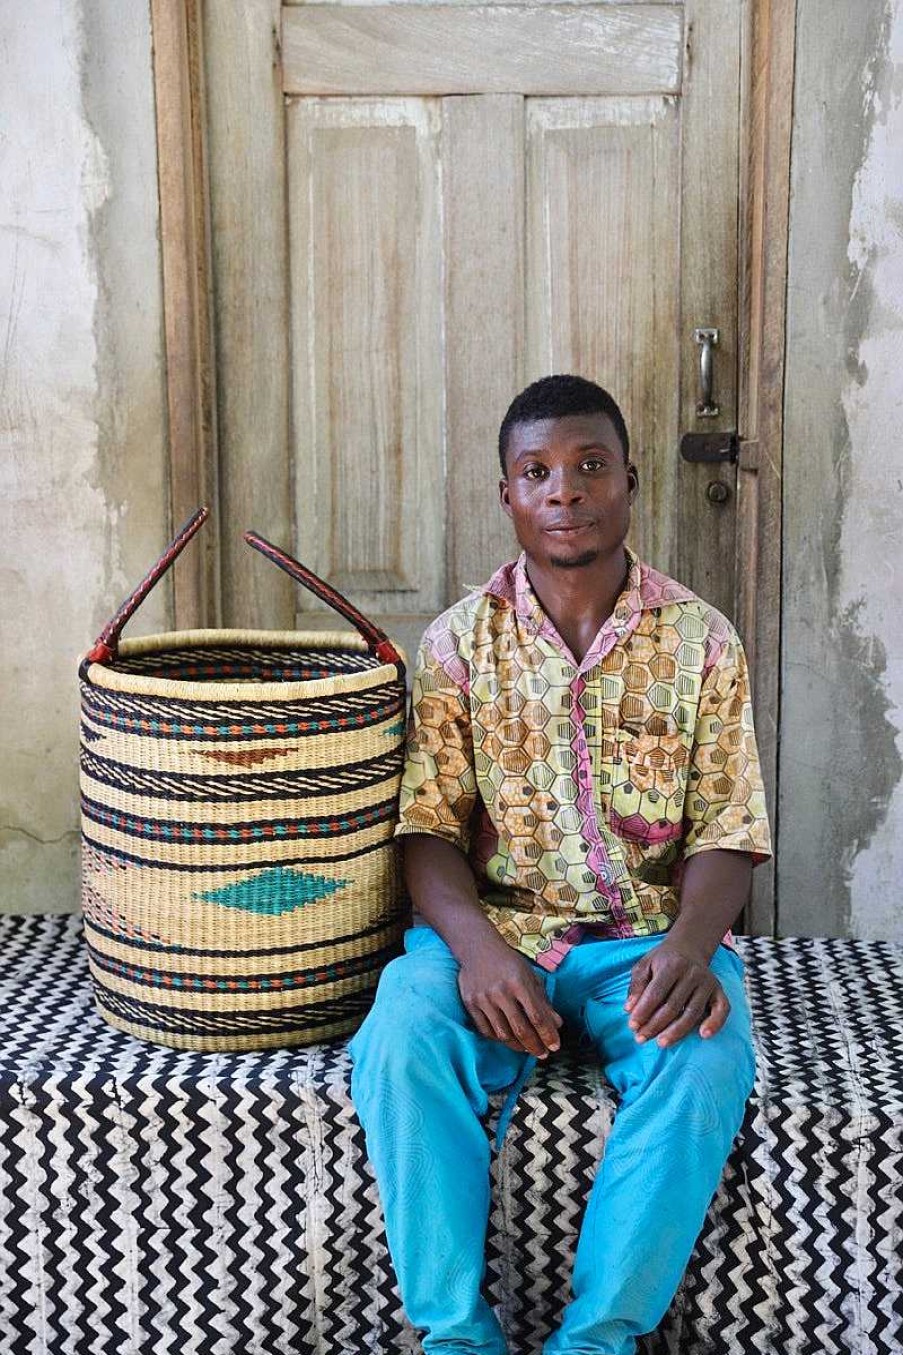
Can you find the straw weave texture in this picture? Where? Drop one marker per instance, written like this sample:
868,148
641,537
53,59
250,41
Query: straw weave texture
240,884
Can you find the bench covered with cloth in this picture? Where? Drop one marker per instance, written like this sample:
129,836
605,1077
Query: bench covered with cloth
210,1204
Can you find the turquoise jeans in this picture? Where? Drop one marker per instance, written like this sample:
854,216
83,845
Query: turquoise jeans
420,1082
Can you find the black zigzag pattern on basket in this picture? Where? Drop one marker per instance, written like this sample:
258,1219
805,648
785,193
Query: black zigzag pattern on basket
102,853
286,980
162,1200
387,922
241,832
241,787
222,663
202,720
236,1021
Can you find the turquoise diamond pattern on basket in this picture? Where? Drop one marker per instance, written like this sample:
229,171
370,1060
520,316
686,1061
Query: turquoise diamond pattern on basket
274,892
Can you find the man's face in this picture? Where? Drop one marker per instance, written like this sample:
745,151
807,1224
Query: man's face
568,489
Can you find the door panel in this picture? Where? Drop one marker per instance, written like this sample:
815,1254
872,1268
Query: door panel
705,535
366,270
603,224
485,359
250,303
481,49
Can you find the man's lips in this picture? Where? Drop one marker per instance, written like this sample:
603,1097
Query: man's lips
568,528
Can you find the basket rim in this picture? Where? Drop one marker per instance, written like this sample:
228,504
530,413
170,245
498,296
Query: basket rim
141,684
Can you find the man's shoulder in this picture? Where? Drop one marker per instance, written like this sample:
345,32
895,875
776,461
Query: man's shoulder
677,604
456,627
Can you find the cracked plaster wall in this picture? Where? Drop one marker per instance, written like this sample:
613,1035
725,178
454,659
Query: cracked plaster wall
840,845
82,433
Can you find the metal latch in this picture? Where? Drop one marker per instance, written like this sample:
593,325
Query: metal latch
718,447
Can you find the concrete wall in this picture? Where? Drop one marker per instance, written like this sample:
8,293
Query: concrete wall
82,413
840,859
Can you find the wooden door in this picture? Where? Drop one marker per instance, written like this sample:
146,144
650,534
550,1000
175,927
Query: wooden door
416,209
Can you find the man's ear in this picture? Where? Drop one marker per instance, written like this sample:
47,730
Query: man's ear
503,497
633,480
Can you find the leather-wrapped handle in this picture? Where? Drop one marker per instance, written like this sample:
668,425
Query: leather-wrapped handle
106,645
377,641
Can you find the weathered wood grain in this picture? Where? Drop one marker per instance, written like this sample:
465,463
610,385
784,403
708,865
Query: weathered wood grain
706,531
603,228
250,275
483,177
366,312
768,61
481,49
185,247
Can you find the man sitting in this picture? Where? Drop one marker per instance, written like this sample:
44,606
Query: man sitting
582,806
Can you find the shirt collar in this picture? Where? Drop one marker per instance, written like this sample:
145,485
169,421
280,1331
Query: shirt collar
646,588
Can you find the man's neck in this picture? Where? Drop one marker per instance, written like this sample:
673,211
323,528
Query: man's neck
579,600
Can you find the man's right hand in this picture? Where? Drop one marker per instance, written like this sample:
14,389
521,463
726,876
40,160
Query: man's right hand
507,1002
500,990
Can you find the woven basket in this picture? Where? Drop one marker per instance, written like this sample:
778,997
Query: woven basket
240,884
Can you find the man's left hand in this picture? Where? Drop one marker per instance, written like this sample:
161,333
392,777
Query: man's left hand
673,992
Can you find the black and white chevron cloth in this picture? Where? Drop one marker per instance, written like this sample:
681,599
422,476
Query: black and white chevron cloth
157,1202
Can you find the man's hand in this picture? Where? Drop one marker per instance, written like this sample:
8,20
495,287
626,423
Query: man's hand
507,1002
502,995
672,993
672,990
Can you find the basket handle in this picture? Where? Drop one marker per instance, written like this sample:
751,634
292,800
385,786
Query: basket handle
106,645
377,641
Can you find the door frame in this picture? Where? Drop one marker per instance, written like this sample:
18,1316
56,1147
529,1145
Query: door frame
182,180
181,54
766,115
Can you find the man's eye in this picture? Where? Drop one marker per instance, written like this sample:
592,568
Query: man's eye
535,472
593,463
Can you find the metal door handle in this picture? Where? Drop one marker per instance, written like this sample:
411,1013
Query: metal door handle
707,340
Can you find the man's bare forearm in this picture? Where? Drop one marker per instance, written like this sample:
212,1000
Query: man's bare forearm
503,996
713,893
673,990
443,889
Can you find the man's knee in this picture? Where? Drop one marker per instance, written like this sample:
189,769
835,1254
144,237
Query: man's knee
420,983
705,1082
733,1045
416,1000
724,1062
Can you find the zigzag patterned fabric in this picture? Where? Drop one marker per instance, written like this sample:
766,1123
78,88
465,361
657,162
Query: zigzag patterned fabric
183,1203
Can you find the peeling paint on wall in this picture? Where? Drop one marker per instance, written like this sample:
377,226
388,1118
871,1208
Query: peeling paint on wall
117,102
839,758
51,503
70,531
871,546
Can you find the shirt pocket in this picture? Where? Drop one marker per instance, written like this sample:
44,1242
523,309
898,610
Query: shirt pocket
648,785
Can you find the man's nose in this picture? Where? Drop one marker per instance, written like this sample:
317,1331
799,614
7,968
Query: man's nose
564,487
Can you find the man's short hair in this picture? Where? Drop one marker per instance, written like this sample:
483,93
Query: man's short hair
556,397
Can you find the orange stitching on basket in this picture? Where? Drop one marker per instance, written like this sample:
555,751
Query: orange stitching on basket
249,757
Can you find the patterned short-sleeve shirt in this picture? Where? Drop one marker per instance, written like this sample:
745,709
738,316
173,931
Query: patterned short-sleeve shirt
578,790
